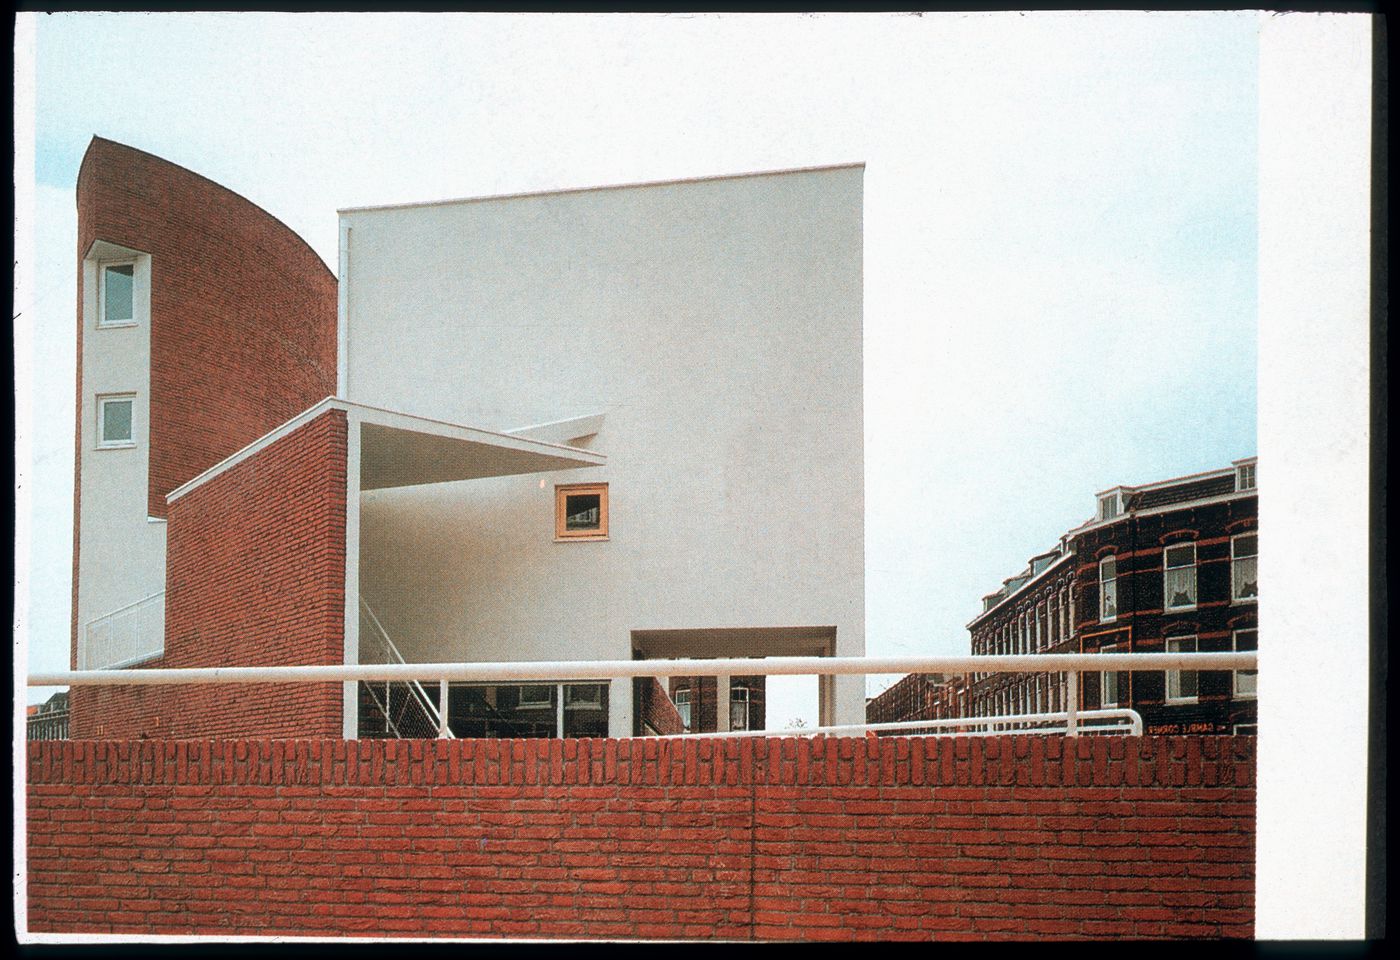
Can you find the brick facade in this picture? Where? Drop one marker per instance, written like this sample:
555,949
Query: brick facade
919,696
705,705
243,313
255,576
1142,625
769,839
656,714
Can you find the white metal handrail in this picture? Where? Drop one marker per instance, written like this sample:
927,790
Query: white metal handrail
1071,664
415,686
987,726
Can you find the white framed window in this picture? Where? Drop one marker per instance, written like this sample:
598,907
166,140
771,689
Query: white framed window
1108,589
682,701
738,708
116,294
1108,506
116,421
1179,577
1244,476
534,696
1064,614
1245,730
1109,687
1183,686
1244,568
1245,683
583,696
1039,627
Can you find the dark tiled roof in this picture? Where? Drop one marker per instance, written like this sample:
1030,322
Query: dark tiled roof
1182,492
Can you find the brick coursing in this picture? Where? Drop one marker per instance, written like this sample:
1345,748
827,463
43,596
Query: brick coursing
704,700
772,839
255,576
656,714
243,313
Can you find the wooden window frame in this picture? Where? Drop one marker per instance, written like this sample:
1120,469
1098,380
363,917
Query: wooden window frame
562,492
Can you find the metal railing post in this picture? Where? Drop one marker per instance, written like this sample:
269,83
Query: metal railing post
443,732
1072,708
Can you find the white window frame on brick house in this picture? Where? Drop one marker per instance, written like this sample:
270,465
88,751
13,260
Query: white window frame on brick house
738,707
1179,681
104,321
1064,614
1244,684
1108,588
1245,477
1179,576
683,705
1110,506
1244,568
1039,626
105,442
1104,683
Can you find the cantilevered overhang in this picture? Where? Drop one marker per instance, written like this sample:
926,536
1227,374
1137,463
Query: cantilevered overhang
725,642
398,450
402,450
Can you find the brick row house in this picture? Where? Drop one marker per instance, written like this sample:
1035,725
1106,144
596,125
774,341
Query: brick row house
1169,566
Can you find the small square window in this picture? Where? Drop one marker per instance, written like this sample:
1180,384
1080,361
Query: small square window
581,512
114,421
117,295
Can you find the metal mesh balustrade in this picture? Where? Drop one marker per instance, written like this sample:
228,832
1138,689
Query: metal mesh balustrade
129,635
392,708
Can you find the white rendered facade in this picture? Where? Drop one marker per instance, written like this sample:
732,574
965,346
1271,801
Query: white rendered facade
122,557
715,325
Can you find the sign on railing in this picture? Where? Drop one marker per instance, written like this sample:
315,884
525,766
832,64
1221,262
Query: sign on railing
132,634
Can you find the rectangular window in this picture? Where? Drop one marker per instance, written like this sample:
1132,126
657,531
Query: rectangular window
116,295
739,708
1182,685
581,511
585,710
683,706
1108,589
1064,614
1179,591
536,696
1108,684
1244,568
1040,627
1108,507
115,421
1244,476
1245,682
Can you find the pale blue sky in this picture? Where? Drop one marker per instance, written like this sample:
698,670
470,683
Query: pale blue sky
1060,223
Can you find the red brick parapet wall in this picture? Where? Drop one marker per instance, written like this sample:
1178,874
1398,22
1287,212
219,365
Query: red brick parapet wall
895,838
255,576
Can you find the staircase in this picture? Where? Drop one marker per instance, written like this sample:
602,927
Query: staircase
400,709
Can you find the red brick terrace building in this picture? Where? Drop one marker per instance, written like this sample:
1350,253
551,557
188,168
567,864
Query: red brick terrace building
1164,567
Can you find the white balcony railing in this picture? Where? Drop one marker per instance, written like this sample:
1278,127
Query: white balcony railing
132,634
1072,664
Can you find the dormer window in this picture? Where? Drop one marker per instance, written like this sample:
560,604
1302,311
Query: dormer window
1109,506
1244,476
117,295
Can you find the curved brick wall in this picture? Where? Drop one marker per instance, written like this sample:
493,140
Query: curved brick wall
243,312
